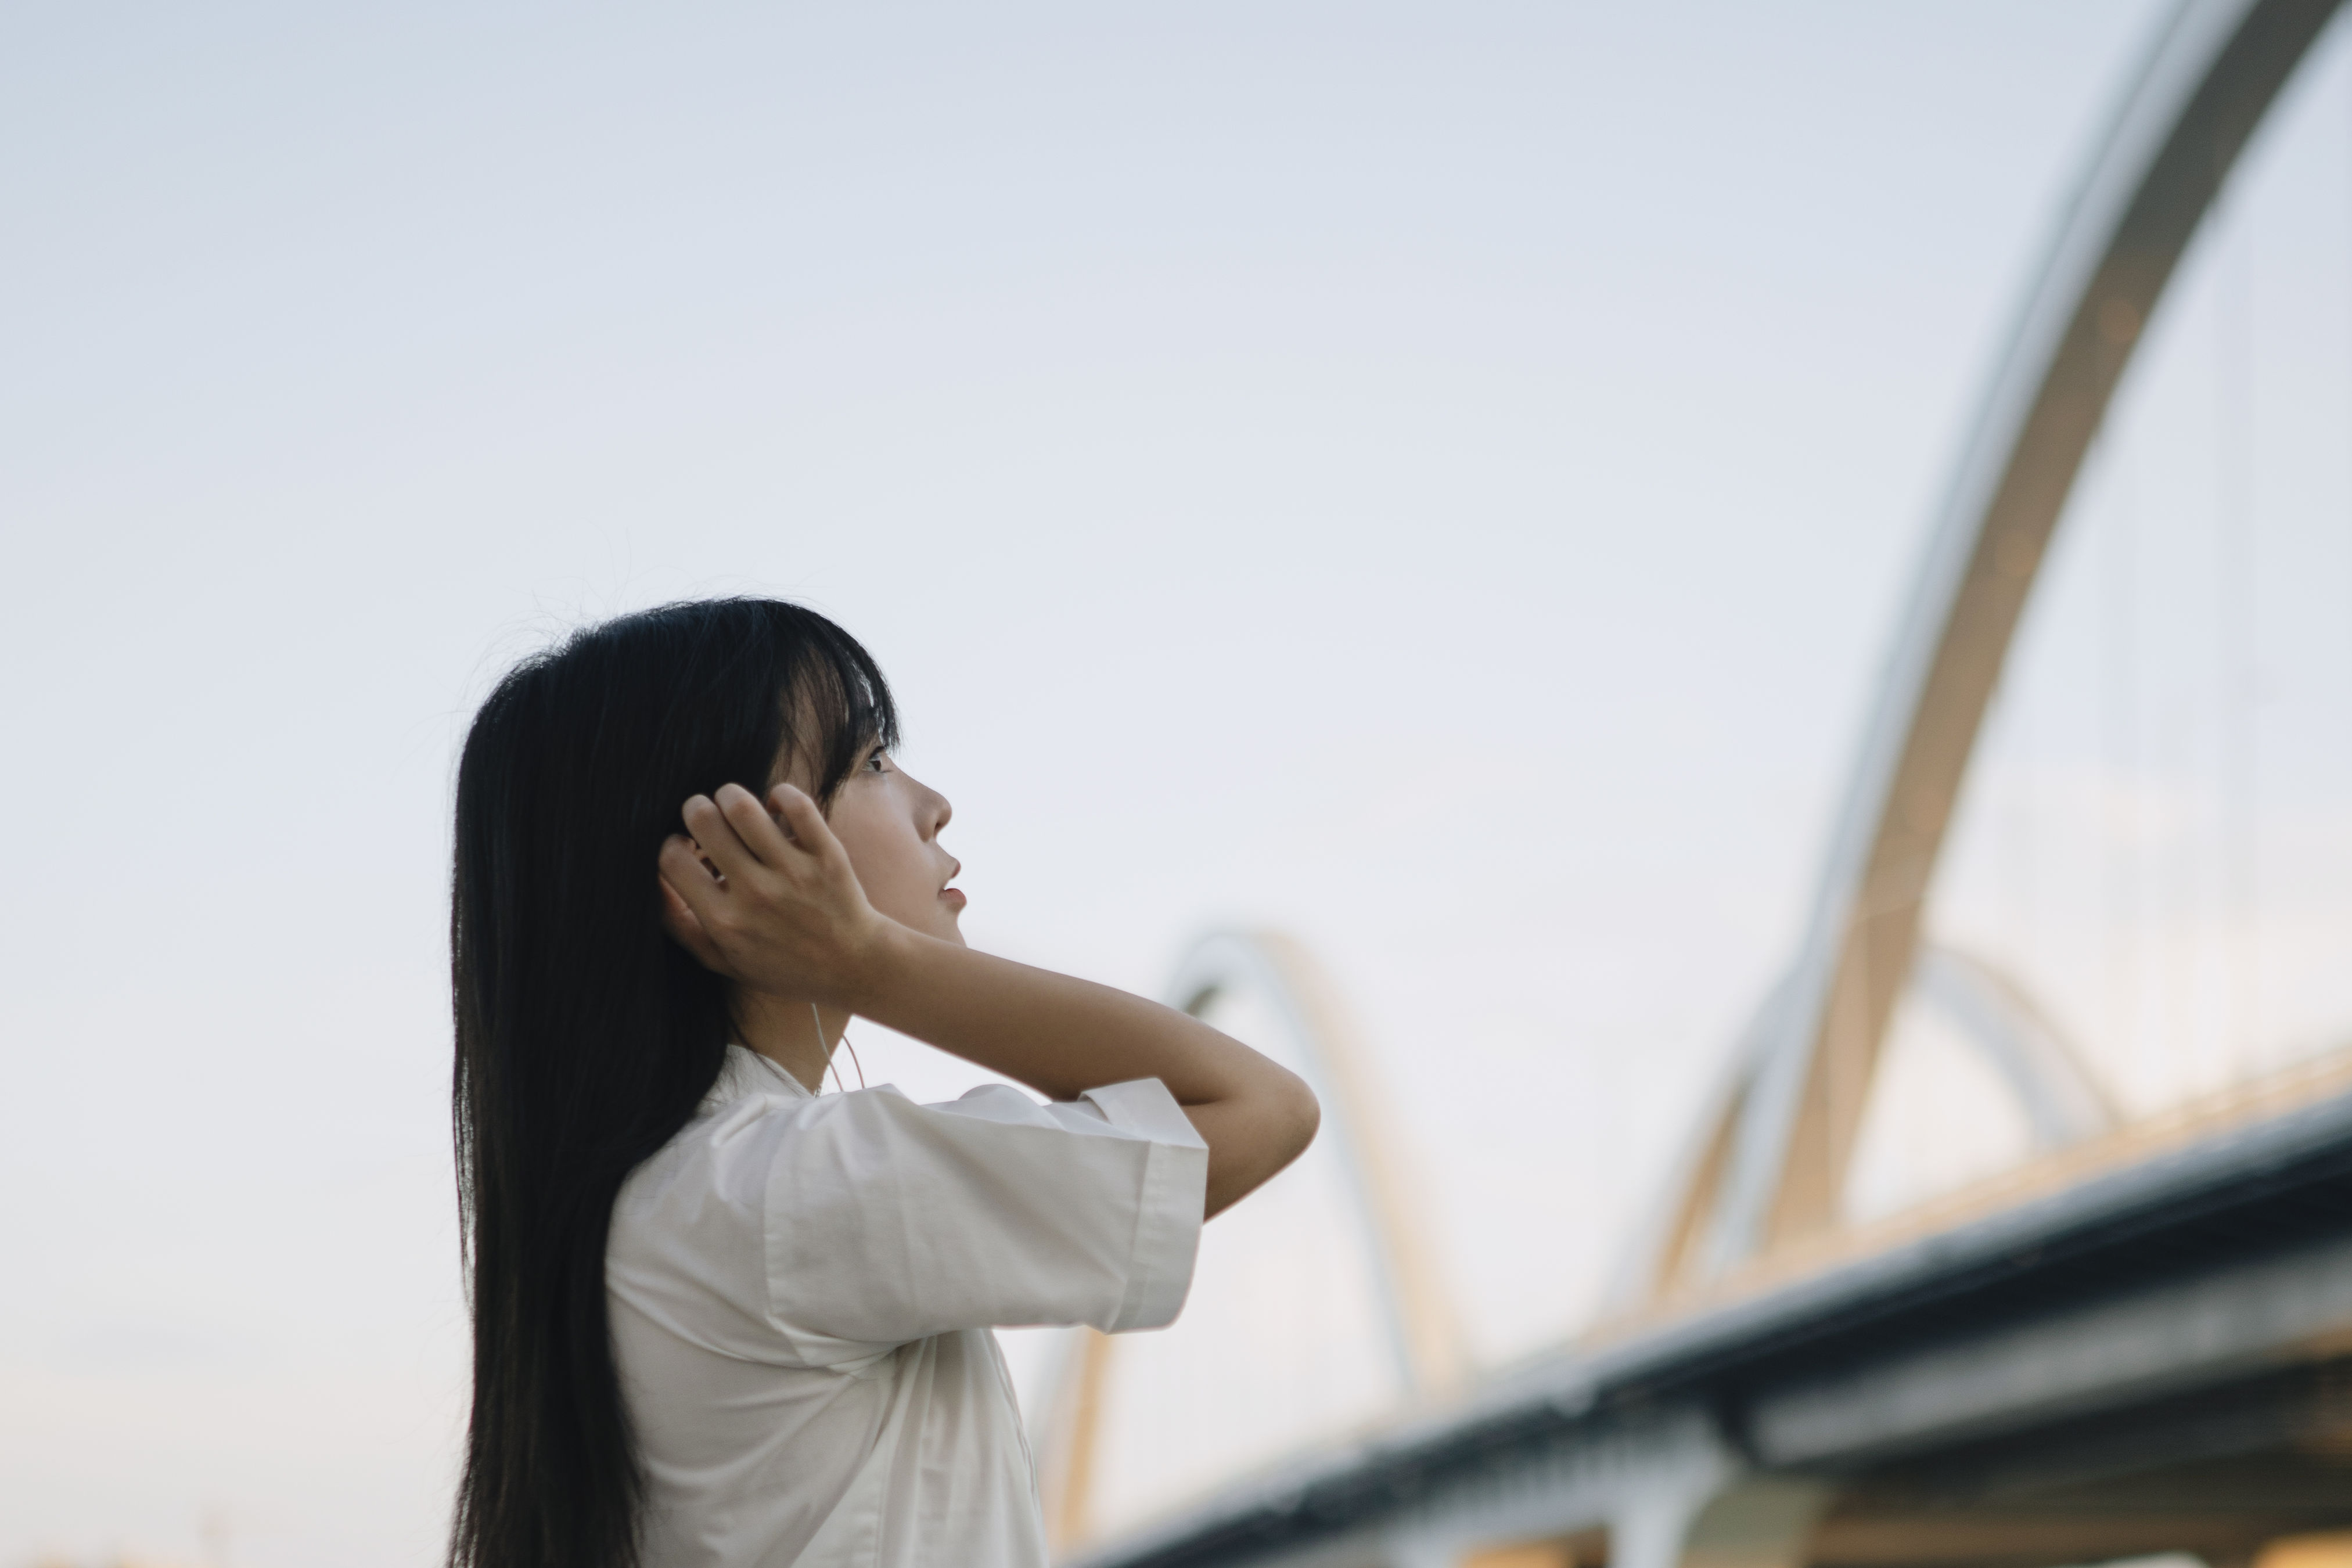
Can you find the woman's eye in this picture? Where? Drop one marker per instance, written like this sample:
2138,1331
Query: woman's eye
876,763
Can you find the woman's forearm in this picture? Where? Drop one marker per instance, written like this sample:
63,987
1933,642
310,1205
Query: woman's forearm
1063,1036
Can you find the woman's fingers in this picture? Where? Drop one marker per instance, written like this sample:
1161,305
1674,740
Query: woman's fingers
810,831
684,876
715,831
754,827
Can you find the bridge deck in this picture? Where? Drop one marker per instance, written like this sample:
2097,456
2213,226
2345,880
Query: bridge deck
2210,1286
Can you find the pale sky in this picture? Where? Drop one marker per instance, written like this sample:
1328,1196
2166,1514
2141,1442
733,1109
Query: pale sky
1435,479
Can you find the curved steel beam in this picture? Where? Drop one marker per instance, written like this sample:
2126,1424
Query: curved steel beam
2216,66
1424,1336
1669,1245
2062,1101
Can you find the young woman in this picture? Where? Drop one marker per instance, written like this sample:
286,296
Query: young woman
719,1317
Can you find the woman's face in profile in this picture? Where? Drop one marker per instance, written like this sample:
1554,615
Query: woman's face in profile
889,822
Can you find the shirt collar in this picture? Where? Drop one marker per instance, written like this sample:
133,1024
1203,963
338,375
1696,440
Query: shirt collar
746,1073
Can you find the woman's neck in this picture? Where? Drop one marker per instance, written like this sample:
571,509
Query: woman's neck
791,1032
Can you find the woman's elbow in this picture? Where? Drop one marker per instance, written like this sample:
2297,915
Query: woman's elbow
1253,1136
1298,1114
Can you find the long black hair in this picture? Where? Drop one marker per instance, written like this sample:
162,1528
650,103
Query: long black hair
586,1038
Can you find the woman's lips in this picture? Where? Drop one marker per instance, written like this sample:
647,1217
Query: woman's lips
954,897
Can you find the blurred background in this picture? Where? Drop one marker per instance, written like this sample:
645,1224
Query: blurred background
1436,481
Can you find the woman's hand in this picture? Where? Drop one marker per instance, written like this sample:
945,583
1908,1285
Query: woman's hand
775,907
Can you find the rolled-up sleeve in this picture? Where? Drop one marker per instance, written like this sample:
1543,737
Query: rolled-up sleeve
887,1221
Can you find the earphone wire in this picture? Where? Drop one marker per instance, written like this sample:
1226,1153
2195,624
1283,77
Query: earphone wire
839,1087
817,1018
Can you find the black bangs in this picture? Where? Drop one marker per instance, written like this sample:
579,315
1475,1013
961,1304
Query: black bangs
838,691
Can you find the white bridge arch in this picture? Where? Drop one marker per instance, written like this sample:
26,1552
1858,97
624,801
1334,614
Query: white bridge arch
1723,1419
1767,1173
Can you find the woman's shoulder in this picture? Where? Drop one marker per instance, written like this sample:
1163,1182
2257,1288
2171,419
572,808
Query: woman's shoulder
724,1150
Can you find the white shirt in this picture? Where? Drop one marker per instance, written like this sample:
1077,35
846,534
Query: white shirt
802,1291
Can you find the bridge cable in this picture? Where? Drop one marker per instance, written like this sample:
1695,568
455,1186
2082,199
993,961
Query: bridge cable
2236,644
2118,704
